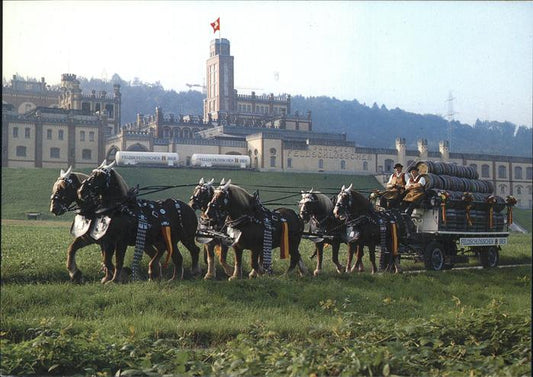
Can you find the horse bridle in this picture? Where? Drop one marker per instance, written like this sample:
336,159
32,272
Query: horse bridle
61,199
199,193
345,207
220,211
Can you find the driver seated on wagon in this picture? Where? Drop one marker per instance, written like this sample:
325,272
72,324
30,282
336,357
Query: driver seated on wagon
395,191
414,191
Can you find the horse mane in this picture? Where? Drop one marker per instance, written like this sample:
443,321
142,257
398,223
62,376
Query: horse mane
120,183
241,196
324,201
360,201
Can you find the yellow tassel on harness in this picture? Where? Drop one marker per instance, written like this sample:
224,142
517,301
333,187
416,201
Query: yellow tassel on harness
284,244
218,250
491,217
509,215
165,230
394,239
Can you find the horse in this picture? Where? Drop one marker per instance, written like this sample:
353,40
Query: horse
201,196
316,209
111,193
356,210
64,194
251,224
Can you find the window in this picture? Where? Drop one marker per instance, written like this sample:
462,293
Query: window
503,189
289,162
49,134
82,135
272,161
321,164
365,165
109,111
21,151
15,132
518,190
60,134
27,134
343,165
474,166
529,173
518,172
502,171
389,165
54,152
272,150
485,171
91,135
86,107
86,154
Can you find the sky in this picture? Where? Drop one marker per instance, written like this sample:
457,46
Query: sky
410,55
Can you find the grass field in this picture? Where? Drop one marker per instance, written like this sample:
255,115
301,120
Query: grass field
449,323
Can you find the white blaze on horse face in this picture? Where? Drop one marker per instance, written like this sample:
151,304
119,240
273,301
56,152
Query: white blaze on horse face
210,182
349,188
201,181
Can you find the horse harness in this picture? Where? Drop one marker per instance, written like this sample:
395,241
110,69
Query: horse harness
270,220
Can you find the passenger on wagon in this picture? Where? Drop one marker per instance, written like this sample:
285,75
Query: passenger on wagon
415,190
395,188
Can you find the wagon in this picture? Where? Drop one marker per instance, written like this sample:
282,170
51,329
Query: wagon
459,219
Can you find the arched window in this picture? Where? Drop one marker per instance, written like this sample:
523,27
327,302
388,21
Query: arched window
503,189
343,165
365,165
517,172
272,161
518,190
289,162
502,171
321,164
485,171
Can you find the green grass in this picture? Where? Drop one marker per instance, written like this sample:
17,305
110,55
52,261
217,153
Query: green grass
438,323
523,217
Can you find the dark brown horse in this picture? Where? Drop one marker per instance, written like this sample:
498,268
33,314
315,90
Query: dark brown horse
201,196
316,209
64,194
245,219
358,213
109,190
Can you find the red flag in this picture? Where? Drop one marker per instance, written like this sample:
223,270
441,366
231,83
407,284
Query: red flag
216,25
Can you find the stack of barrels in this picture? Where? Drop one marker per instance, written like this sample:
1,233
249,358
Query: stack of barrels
462,186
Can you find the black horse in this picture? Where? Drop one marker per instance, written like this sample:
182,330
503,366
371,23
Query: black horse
250,224
367,224
316,208
64,195
201,196
166,222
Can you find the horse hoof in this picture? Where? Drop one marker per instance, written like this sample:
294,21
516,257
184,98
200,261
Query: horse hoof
316,272
209,277
233,277
340,269
77,277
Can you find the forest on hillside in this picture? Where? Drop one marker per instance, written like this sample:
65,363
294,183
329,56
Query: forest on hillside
374,126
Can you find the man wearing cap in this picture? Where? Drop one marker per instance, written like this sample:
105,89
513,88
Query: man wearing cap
395,188
415,190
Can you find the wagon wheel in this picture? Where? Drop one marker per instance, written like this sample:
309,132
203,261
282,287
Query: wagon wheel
434,256
490,257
